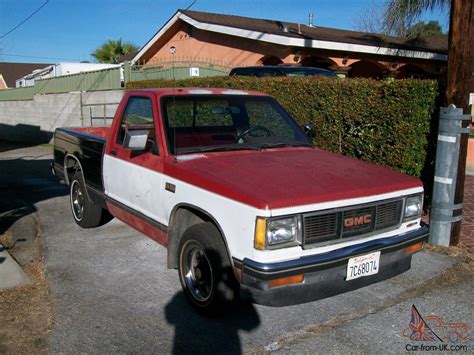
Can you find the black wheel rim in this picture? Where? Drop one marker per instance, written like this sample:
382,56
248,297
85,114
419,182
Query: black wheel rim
198,274
77,200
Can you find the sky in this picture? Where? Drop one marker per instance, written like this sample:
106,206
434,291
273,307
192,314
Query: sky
69,30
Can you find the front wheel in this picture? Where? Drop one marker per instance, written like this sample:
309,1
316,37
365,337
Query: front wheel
205,271
85,213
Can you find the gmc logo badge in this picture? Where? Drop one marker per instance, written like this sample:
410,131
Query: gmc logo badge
357,221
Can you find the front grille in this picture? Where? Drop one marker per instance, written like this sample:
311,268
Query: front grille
355,221
320,228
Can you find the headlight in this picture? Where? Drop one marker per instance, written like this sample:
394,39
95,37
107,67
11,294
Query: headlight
270,233
413,207
281,230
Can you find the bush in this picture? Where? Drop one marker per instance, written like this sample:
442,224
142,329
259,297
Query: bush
379,121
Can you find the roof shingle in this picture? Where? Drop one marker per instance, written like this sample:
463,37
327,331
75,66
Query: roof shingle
437,44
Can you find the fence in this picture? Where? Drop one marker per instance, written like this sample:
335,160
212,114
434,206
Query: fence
115,78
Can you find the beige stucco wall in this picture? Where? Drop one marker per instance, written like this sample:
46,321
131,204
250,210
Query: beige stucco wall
226,50
3,85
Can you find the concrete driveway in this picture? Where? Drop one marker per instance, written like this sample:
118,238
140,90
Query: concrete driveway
113,293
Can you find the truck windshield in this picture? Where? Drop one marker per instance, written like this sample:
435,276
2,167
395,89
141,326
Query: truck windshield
228,122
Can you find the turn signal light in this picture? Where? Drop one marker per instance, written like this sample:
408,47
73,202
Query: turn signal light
414,248
286,281
260,231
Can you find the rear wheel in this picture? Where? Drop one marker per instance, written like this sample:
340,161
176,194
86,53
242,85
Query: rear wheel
85,213
205,271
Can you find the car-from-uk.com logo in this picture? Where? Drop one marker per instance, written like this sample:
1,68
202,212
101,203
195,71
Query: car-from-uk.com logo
432,333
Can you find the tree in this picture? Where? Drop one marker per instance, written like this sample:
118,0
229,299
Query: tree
460,66
420,29
372,19
111,50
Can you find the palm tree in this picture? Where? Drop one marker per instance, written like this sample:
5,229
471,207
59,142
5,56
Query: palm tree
460,65
402,13
111,50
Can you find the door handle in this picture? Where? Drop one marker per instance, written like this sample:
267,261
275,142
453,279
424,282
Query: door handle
113,152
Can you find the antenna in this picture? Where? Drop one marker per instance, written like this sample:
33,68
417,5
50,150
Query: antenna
173,52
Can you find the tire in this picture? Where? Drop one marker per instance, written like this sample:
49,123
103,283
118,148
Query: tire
85,213
205,270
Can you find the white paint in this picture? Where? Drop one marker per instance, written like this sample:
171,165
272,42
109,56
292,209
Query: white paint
344,203
236,219
447,139
234,92
187,157
471,99
193,72
443,180
134,186
311,43
200,91
289,41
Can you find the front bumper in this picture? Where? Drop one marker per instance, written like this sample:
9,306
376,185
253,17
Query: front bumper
325,274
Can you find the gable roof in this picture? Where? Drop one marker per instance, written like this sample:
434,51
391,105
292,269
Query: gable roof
13,71
299,35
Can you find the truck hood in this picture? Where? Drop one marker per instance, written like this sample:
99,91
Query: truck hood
287,177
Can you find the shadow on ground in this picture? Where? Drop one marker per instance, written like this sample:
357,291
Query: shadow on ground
24,181
27,136
195,334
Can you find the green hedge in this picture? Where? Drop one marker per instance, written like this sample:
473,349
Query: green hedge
383,122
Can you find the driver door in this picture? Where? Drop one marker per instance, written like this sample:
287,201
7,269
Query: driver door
132,177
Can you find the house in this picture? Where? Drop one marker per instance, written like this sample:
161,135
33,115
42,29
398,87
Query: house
9,72
194,38
60,69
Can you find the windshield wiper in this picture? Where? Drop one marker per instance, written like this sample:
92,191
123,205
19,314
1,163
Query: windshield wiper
282,144
217,149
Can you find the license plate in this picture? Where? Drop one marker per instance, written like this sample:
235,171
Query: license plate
364,265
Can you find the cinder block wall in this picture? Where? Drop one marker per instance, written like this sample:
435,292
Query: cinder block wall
35,120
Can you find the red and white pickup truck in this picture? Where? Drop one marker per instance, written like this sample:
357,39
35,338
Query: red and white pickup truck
232,186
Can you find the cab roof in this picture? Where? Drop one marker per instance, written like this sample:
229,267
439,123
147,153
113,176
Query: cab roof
198,91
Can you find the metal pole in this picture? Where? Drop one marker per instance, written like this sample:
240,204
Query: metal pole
82,110
446,166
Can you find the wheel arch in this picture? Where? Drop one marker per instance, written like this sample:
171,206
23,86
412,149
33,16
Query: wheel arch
67,170
189,215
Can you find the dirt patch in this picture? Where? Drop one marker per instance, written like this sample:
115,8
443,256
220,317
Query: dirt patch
26,311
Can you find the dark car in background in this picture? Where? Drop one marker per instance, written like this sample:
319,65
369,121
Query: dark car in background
270,71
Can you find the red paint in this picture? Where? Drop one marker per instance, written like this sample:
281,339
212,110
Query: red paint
139,224
102,132
287,177
274,178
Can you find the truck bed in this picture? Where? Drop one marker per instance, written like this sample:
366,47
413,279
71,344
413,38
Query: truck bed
81,148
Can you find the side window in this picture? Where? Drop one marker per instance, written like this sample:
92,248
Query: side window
138,115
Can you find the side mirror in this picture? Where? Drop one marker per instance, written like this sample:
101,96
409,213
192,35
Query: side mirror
136,139
308,129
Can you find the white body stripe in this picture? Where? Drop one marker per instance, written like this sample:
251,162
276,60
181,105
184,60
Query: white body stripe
144,190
